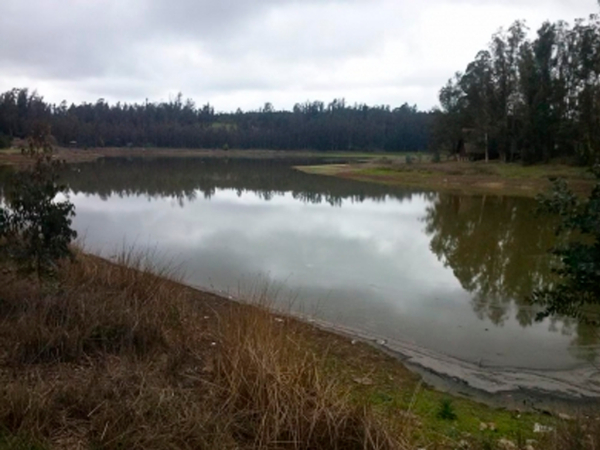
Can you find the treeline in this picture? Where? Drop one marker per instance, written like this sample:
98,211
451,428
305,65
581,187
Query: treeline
180,124
533,99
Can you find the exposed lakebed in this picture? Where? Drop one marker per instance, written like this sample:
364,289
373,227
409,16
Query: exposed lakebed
442,279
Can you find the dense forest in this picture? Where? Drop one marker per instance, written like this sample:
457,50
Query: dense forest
531,99
179,124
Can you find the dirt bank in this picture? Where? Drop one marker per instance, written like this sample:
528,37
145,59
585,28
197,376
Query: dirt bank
460,177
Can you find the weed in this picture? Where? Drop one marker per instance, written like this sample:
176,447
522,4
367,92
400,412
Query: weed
446,410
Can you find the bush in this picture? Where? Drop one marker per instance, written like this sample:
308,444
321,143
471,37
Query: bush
579,269
35,229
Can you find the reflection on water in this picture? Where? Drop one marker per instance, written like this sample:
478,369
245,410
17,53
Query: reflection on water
450,273
498,250
494,248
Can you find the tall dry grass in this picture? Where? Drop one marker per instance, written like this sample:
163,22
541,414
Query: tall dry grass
276,394
113,356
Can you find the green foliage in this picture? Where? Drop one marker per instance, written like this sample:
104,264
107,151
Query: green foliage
528,99
180,124
579,270
446,410
35,229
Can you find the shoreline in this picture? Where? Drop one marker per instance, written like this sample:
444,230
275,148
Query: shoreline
465,178
517,389
125,321
13,156
470,178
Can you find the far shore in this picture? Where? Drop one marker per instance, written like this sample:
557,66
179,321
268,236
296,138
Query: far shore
14,157
392,169
478,177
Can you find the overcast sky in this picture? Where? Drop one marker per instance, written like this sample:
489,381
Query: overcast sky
243,53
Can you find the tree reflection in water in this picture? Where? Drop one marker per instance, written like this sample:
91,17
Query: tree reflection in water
498,249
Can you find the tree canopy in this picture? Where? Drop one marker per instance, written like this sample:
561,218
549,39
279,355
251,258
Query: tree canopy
533,99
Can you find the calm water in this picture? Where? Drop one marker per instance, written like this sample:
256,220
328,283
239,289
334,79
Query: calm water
446,272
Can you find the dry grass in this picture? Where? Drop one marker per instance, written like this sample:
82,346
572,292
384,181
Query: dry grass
115,357
112,356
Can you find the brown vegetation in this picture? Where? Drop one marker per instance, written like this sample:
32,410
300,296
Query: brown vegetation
114,357
120,355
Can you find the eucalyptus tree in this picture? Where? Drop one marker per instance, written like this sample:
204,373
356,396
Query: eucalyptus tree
536,99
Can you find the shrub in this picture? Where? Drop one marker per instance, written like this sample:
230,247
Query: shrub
579,269
36,228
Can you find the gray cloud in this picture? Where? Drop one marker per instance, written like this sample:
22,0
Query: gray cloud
244,53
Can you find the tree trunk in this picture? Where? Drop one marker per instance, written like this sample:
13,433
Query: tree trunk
487,154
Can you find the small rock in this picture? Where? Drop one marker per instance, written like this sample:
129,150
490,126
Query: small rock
364,381
483,426
506,444
529,447
353,341
537,428
563,416
206,317
213,344
463,444
531,442
492,426
381,341
279,320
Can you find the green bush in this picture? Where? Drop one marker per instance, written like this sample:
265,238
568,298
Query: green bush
35,229
578,287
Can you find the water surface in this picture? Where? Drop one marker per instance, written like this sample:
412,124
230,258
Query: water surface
448,273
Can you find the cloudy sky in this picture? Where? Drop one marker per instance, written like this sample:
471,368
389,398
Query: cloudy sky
243,53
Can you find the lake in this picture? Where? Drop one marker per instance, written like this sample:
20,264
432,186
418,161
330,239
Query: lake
442,272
